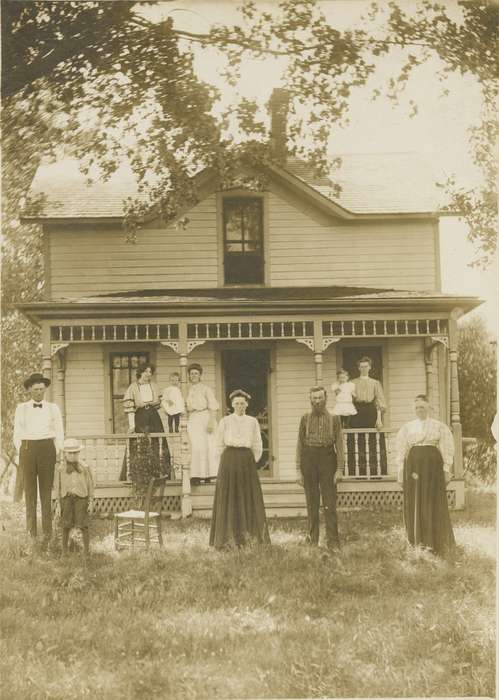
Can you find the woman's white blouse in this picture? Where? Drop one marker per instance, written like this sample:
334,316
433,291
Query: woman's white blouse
146,394
200,397
425,432
240,431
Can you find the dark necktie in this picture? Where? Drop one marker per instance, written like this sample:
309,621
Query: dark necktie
37,405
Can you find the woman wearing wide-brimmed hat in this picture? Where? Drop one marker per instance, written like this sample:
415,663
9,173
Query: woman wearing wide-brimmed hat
38,439
238,509
425,453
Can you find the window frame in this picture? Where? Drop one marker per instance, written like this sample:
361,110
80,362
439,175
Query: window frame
110,397
235,194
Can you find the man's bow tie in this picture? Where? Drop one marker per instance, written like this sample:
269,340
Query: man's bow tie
73,467
37,405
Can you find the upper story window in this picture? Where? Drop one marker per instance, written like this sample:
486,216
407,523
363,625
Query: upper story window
243,240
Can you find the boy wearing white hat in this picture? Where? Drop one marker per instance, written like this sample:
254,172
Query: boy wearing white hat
75,492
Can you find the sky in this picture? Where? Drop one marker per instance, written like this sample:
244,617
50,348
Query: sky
438,131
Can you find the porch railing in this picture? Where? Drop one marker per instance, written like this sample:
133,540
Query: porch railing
369,453
106,454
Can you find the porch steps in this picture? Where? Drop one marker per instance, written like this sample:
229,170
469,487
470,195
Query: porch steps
282,499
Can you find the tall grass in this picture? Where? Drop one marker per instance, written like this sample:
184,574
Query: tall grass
378,619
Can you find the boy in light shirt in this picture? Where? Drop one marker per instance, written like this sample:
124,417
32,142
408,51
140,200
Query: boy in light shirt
173,402
75,490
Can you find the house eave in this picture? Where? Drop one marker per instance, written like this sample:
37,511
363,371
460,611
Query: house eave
39,311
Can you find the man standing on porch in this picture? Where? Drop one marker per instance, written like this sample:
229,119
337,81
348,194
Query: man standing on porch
319,459
38,439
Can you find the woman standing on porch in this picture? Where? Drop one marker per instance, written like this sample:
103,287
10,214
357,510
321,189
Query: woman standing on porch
141,403
202,408
238,509
370,404
425,452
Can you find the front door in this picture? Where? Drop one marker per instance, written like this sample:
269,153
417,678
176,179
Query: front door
249,370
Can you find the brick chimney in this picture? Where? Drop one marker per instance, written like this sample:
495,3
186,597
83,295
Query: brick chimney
278,108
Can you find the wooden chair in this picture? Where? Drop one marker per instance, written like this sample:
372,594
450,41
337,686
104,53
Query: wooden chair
133,527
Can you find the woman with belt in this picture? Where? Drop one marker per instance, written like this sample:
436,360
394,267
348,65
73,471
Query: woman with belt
202,408
425,453
238,509
141,403
370,404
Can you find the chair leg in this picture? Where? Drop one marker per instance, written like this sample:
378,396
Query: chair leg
147,535
116,534
132,534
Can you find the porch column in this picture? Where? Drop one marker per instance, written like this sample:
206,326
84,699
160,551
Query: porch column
318,350
455,417
185,460
60,383
429,369
47,359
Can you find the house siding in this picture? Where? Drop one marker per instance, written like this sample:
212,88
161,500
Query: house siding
86,261
306,252
85,390
295,376
303,248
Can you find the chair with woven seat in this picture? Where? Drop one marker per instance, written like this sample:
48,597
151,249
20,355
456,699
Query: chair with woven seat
142,527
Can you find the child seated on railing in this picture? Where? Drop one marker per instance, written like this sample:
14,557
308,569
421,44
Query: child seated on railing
173,402
344,392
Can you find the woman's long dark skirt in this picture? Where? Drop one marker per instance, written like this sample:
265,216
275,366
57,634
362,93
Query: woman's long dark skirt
238,510
148,420
426,511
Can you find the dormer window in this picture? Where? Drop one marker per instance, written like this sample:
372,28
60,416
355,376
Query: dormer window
243,240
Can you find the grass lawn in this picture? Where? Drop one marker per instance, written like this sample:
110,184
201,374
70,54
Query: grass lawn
287,621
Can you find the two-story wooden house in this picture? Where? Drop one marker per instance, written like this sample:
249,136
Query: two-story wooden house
271,291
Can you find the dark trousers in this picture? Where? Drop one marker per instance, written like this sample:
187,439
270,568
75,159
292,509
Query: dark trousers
318,467
37,460
173,422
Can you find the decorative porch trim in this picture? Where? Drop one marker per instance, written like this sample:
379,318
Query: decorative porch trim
443,339
56,347
115,333
326,342
173,344
309,342
250,330
191,344
386,327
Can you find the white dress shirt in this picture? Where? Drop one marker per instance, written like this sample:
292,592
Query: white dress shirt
240,431
31,423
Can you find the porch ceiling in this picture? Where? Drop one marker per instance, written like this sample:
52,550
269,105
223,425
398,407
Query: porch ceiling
255,301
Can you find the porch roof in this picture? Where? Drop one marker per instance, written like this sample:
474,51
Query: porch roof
255,300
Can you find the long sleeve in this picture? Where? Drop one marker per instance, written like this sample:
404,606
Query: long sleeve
338,443
18,437
256,443
299,446
401,447
446,447
380,397
129,401
90,482
220,436
59,428
211,400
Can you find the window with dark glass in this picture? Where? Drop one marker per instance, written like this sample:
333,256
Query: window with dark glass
243,240
123,366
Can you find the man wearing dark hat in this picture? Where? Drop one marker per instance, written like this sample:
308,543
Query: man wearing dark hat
38,439
319,461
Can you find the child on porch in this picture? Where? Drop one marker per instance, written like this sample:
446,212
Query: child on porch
173,402
344,392
75,490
